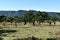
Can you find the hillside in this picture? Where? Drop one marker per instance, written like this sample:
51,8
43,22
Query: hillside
21,12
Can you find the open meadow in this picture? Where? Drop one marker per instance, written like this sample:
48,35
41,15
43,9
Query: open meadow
43,31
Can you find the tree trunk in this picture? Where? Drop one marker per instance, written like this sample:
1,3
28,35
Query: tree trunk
11,23
50,23
54,23
25,23
4,24
15,24
33,23
39,23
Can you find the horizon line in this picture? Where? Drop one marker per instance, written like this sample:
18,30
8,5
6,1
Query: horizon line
26,9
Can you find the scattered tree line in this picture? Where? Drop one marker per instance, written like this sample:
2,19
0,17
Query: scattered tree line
30,17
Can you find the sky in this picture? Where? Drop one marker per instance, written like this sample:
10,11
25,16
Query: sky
42,5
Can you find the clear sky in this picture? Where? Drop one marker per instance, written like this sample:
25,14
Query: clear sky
43,5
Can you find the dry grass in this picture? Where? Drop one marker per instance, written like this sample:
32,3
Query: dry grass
24,31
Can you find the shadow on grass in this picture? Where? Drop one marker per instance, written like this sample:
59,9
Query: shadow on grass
33,38
51,38
1,38
25,27
7,31
29,38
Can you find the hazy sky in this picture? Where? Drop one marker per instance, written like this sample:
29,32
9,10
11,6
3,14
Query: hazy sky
44,5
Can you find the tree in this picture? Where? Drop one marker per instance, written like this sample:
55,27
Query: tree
15,20
20,19
59,16
3,19
11,20
24,19
28,16
50,19
33,20
44,16
54,19
41,16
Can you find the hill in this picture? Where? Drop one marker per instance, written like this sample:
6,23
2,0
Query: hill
21,12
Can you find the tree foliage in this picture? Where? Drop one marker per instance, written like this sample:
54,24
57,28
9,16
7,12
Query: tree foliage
30,17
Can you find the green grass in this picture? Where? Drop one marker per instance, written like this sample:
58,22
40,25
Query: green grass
24,31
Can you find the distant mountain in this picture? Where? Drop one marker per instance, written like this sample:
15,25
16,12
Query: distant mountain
7,13
22,12
53,14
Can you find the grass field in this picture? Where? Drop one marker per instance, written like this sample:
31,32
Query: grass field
23,31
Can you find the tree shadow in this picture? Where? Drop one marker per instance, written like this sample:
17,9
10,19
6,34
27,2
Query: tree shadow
7,31
25,27
29,38
51,38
